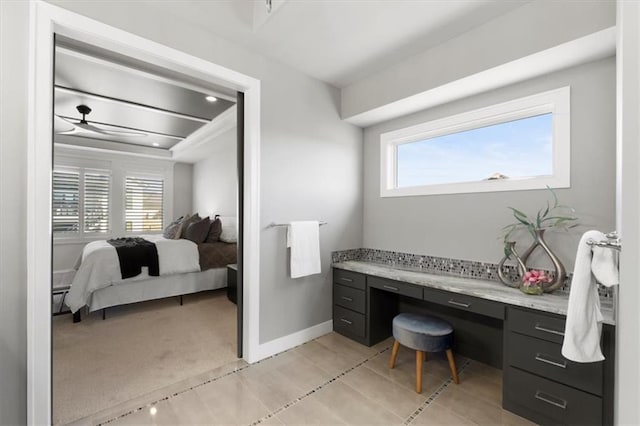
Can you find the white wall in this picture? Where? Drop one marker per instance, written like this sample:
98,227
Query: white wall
14,32
215,178
532,28
182,189
468,226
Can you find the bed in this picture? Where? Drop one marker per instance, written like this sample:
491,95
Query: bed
184,268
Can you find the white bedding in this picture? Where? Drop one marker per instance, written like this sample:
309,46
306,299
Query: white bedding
100,266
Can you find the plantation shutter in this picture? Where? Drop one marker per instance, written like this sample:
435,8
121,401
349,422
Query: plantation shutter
66,201
96,201
143,204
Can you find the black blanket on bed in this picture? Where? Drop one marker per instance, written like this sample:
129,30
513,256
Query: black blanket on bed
133,254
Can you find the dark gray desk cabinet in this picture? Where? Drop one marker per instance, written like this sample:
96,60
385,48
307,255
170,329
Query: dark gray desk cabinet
538,382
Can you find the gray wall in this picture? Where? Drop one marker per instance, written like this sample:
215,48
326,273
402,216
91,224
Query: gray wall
467,226
536,26
215,178
311,169
14,32
182,189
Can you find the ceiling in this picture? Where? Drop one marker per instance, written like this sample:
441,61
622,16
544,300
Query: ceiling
156,111
338,42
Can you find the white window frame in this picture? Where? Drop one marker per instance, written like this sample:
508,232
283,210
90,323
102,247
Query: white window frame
81,166
557,102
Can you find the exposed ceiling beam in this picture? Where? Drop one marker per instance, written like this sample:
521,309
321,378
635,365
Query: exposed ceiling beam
88,144
132,104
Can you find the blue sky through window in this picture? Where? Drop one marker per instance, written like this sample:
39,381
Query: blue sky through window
519,148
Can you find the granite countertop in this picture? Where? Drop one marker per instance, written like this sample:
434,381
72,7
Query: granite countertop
492,290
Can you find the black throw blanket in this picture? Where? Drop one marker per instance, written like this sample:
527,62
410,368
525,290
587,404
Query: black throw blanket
133,254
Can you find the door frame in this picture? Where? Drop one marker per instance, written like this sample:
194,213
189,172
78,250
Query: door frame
45,20
627,377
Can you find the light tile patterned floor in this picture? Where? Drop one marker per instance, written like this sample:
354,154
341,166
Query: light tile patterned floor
331,380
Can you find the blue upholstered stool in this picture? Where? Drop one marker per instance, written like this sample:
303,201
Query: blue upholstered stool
423,333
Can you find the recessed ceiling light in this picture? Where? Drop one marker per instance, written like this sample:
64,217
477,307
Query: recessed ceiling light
211,98
155,144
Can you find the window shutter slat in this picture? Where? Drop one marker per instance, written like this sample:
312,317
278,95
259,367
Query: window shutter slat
96,202
143,204
65,202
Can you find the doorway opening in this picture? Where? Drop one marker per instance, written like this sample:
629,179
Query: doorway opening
145,223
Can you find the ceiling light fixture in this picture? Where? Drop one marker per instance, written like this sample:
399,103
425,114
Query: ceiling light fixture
211,98
155,144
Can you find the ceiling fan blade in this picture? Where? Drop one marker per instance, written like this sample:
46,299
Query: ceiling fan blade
63,126
122,133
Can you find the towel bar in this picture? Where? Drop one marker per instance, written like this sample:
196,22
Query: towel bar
271,225
612,242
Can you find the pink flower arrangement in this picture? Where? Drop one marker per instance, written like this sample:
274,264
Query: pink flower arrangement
535,278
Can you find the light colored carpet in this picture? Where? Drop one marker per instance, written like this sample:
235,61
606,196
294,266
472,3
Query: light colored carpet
139,348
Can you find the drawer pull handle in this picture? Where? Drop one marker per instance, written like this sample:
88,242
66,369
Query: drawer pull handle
349,280
388,287
348,299
541,358
461,304
560,403
548,330
346,321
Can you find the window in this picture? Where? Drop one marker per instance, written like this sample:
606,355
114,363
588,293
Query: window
66,202
517,145
80,201
143,204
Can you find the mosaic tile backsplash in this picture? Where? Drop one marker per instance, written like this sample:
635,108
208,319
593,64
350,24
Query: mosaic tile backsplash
442,266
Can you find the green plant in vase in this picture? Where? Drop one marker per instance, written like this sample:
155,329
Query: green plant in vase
553,216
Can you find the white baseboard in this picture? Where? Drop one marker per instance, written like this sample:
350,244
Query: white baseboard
281,344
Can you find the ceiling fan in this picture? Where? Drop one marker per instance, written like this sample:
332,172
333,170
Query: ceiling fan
83,126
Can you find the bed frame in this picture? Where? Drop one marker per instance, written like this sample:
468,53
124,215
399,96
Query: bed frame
154,288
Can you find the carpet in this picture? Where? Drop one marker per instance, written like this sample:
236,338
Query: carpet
139,348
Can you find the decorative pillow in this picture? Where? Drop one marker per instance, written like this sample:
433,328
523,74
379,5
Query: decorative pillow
214,231
172,229
188,221
229,230
181,227
198,231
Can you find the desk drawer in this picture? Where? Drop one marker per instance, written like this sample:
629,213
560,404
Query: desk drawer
545,359
465,303
348,278
348,297
538,325
398,287
558,403
348,322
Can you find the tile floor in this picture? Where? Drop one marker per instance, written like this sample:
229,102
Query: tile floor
330,380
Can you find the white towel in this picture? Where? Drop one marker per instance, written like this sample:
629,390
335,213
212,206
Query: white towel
584,319
304,239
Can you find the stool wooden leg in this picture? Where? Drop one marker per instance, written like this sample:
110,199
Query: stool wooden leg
419,362
394,353
452,366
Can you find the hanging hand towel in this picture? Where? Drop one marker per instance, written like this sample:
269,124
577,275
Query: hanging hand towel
304,239
584,319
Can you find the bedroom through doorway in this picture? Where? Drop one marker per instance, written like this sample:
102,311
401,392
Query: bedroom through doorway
147,229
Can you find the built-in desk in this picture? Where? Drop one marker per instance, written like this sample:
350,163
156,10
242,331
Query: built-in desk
494,324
